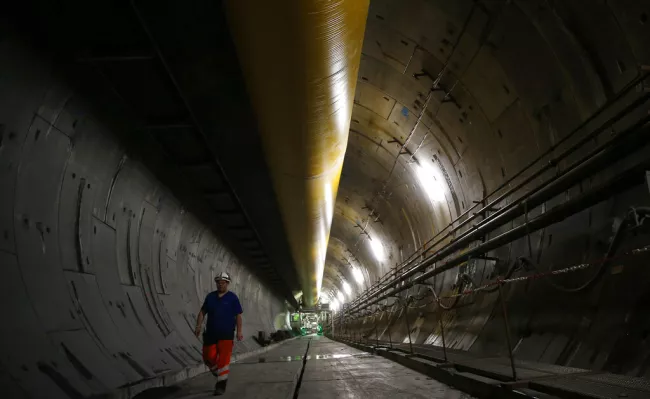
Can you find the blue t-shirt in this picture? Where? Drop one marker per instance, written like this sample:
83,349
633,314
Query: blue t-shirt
222,315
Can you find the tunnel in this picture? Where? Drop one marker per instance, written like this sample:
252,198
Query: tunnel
411,198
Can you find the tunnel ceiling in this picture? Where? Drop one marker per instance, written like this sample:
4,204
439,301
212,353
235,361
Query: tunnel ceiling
453,98
167,78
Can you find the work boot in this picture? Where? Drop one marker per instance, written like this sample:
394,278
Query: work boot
220,388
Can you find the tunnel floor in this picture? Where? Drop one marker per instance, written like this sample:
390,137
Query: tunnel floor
316,367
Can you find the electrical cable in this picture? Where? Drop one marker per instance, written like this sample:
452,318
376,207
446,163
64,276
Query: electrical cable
613,246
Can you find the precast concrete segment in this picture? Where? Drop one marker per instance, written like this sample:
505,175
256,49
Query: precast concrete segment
491,376
331,369
103,271
504,99
168,382
300,63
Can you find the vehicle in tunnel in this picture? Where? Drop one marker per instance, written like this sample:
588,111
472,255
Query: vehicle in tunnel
463,183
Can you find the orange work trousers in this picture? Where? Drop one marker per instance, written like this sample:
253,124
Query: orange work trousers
217,358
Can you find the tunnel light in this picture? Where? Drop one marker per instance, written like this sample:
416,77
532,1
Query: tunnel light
377,249
431,182
358,276
334,304
340,297
347,288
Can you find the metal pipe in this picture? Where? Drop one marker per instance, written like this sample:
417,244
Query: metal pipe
626,179
409,272
408,327
376,334
520,210
547,166
632,140
300,61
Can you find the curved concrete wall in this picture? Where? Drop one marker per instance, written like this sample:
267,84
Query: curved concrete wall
516,77
102,269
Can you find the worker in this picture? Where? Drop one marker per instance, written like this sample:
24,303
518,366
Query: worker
224,313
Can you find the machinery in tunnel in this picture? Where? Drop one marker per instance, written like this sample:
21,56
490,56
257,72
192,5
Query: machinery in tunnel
310,321
459,186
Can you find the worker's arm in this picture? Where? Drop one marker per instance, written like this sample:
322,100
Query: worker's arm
199,323
237,309
240,334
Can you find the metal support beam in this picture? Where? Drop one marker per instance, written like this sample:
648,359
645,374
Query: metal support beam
442,330
506,327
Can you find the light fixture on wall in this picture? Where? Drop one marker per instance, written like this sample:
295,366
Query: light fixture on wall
358,275
334,305
431,182
347,288
377,249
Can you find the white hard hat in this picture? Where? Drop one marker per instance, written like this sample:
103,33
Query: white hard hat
222,276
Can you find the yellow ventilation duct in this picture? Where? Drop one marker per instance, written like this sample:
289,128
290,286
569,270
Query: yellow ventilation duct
300,60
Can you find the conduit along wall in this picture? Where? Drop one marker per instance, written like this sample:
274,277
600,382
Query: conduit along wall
300,61
629,141
556,302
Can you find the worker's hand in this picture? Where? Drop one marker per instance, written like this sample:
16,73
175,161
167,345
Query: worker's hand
240,336
197,331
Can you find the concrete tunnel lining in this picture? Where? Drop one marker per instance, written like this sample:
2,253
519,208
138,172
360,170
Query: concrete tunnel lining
104,271
502,99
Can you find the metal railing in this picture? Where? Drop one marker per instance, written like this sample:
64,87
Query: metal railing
526,202
414,272
635,218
